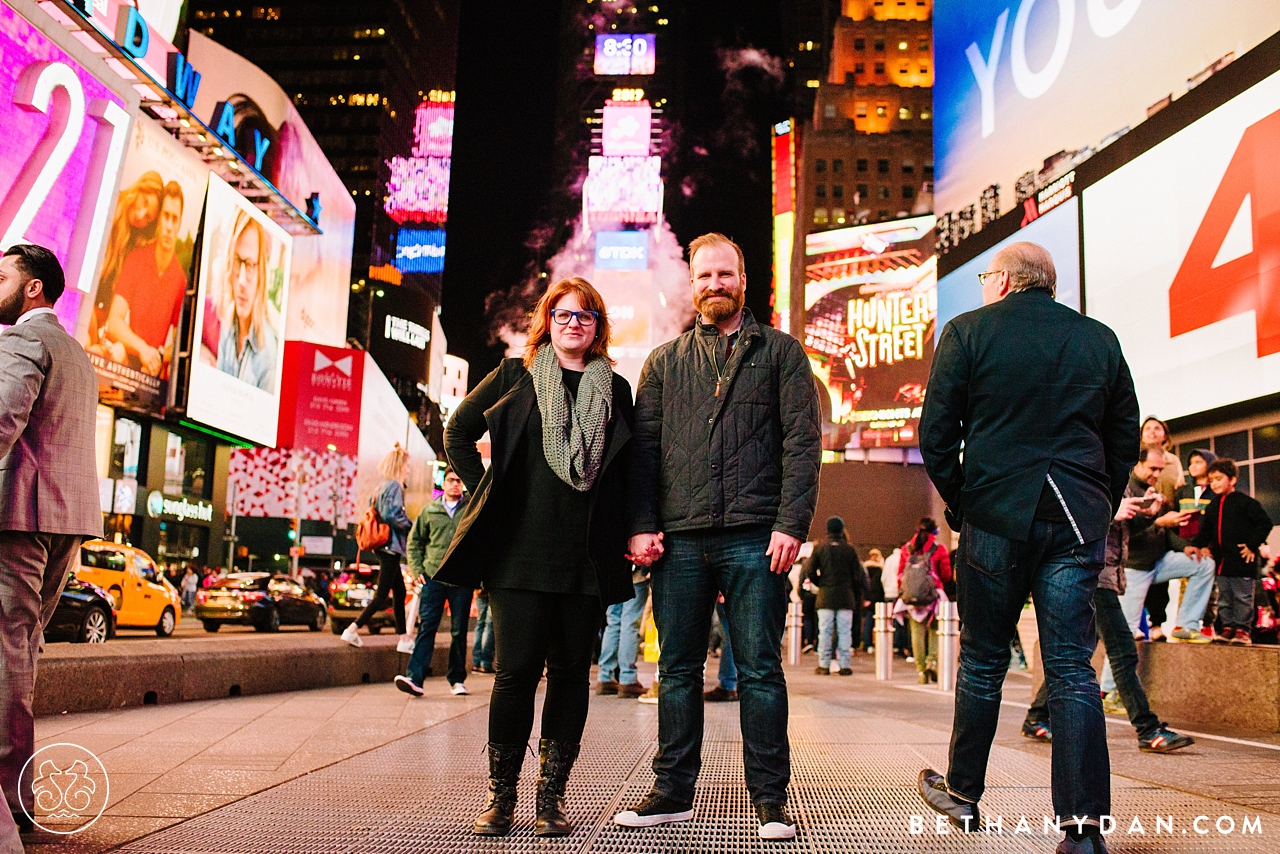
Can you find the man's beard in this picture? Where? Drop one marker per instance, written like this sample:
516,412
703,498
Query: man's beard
719,310
11,308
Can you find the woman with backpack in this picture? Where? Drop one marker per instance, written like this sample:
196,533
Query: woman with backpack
389,507
924,567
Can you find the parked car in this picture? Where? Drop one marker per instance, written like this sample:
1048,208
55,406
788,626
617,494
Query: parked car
351,591
85,614
143,598
261,600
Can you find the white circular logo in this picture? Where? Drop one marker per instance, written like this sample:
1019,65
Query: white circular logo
69,788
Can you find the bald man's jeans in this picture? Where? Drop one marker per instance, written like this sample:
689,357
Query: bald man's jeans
994,576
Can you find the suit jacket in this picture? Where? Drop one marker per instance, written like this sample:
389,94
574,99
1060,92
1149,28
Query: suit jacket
48,419
1034,393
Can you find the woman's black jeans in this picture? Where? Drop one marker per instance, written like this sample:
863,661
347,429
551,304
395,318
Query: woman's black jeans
389,581
531,629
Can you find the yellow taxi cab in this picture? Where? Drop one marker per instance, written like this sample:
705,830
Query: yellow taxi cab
143,596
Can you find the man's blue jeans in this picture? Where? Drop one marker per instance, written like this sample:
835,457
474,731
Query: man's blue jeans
1199,575
431,601
994,576
620,645
696,567
482,645
837,627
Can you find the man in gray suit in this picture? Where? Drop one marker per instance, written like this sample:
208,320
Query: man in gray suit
48,492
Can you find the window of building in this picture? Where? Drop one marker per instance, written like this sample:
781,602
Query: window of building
908,167
862,164
829,111
928,171
820,191
882,192
859,68
837,166
903,45
882,111
186,463
904,112
923,44
879,68
904,69
819,166
883,215
862,191
837,191
838,216
879,45
908,191
820,216
925,114
859,44
882,166
924,69
860,109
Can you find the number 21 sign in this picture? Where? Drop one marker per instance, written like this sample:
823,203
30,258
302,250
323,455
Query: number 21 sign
62,137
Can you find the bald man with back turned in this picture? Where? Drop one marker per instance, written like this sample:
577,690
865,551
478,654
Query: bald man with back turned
1040,400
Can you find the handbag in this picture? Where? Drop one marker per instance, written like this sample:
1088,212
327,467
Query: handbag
372,533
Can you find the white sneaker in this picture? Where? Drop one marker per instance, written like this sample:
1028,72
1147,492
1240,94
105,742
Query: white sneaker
459,689
351,635
406,644
407,685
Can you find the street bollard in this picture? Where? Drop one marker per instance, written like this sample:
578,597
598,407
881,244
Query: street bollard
795,623
948,645
882,636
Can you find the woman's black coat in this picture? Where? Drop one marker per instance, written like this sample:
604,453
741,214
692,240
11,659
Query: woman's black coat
501,405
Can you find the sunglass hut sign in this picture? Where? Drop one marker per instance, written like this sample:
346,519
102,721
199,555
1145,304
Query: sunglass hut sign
406,332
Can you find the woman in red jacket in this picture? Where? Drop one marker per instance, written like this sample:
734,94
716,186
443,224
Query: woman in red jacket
923,570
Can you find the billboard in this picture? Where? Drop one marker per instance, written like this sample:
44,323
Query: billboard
320,402
400,331
625,54
241,303
420,250
1057,231
622,250
870,305
623,189
1017,83
271,134
784,221
418,186
1182,258
626,130
146,269
64,136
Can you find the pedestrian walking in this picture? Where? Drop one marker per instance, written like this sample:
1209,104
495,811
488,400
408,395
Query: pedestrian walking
1040,399
429,539
388,503
190,581
546,533
842,586
924,571
620,645
726,479
48,498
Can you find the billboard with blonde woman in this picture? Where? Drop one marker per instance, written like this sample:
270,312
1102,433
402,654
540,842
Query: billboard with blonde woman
241,304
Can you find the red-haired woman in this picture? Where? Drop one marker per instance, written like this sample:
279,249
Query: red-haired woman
546,534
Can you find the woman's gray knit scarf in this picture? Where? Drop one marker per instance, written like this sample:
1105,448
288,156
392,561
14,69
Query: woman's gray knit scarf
573,430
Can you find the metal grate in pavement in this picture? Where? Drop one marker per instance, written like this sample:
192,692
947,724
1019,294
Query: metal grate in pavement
853,789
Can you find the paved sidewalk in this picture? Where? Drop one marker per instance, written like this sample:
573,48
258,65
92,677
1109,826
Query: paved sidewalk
366,769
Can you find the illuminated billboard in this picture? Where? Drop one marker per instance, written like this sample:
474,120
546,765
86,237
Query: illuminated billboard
870,306
241,302
133,324
1181,246
626,130
433,129
420,250
1057,231
625,54
784,221
622,250
64,137
623,189
1016,83
418,186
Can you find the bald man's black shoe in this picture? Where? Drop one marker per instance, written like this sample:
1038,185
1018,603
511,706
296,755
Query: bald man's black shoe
962,814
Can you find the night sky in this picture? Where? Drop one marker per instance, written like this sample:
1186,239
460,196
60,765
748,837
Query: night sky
505,187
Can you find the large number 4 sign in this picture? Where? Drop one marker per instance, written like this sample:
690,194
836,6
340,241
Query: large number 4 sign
54,89
1245,216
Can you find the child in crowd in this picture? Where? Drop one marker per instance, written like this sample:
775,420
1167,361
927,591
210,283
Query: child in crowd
1232,530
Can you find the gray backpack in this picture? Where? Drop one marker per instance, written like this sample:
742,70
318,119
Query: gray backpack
918,586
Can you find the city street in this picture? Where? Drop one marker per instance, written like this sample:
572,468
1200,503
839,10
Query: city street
367,768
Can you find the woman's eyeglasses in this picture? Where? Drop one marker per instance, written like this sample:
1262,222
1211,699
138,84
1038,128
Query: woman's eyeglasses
562,316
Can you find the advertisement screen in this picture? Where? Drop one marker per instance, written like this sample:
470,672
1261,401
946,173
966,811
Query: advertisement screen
320,269
621,54
320,404
1057,231
241,304
626,130
1182,258
64,136
1016,83
624,189
146,268
418,186
400,331
870,306
420,250
622,250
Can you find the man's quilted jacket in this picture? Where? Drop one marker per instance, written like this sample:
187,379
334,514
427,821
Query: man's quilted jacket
746,456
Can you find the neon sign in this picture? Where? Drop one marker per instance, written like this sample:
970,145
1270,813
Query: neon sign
418,186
